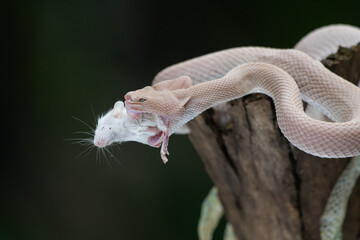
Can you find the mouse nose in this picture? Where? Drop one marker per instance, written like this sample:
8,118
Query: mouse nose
100,142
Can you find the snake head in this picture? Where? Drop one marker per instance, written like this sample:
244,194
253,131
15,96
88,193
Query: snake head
137,102
161,99
148,100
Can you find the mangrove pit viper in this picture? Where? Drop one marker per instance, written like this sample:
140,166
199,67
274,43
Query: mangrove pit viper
183,91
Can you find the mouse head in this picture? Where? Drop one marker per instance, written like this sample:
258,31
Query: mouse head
117,126
109,127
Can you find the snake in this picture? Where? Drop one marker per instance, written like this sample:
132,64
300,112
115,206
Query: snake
289,76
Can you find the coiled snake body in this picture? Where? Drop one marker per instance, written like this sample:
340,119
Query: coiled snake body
239,71
288,76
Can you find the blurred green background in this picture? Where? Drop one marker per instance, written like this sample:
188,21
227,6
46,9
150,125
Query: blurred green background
67,57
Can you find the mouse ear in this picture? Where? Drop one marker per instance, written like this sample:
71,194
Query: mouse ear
118,108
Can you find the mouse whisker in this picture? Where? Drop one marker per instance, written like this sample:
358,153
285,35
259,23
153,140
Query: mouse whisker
86,133
105,156
98,157
86,151
83,123
81,141
93,113
113,156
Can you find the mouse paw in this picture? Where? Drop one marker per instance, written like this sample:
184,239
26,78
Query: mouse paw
164,149
163,156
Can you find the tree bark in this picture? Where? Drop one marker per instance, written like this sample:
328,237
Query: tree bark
270,189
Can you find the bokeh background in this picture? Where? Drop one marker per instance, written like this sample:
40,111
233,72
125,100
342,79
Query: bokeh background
66,59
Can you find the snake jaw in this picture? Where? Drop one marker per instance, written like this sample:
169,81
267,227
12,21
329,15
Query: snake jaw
132,107
133,114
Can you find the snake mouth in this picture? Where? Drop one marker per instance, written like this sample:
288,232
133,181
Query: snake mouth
133,114
132,104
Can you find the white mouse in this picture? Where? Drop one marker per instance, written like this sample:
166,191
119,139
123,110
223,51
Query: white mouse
117,126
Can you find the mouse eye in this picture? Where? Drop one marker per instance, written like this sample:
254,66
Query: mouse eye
142,100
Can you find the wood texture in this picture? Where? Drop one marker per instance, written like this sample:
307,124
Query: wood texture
269,189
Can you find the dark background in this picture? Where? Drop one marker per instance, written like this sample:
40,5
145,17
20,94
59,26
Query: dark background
63,58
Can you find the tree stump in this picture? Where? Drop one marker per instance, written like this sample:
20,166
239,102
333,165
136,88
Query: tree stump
268,188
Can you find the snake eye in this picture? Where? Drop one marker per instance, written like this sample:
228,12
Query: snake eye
142,100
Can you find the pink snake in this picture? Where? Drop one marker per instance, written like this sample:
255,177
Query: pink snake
287,76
